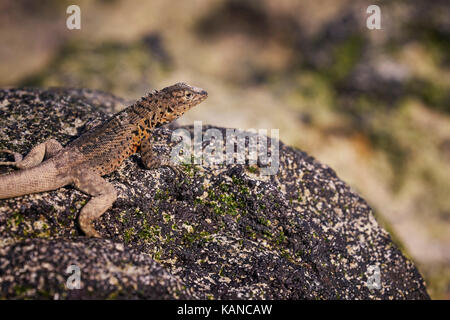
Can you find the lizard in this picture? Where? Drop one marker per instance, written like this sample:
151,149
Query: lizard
99,151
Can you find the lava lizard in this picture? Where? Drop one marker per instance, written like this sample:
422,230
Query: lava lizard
98,152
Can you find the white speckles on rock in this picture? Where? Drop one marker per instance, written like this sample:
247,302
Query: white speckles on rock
119,246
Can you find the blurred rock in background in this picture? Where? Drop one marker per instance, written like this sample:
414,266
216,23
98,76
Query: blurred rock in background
372,104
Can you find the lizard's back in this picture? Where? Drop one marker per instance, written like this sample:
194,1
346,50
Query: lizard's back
106,146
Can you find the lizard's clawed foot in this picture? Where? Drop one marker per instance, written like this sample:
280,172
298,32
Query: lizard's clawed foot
89,230
17,158
87,225
176,169
169,164
155,163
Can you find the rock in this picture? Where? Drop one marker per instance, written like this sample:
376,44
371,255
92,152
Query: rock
38,268
219,231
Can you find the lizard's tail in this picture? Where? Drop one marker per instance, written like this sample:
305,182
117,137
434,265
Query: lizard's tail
41,178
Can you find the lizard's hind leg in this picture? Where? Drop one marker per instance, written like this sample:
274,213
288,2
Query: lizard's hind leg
103,196
43,150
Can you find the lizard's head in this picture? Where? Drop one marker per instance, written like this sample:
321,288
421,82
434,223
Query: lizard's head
179,98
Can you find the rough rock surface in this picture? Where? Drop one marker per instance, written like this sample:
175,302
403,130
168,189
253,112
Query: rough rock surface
214,232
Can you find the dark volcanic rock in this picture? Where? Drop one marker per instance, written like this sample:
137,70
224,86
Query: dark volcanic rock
38,268
211,232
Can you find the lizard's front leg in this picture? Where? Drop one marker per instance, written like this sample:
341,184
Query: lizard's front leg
43,150
103,196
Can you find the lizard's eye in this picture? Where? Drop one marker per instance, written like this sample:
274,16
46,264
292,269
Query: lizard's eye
188,95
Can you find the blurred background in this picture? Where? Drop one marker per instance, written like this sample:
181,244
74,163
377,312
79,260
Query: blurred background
372,104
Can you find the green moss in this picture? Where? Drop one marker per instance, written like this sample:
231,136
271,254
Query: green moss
198,202
437,278
21,291
251,232
285,254
162,195
113,295
253,169
384,140
149,232
18,218
267,234
346,55
434,95
225,202
190,168
436,40
129,234
167,217
103,66
190,238
224,187
281,239
157,256
242,187
265,222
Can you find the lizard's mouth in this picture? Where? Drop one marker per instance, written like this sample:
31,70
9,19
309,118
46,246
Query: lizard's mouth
201,96
204,95
201,92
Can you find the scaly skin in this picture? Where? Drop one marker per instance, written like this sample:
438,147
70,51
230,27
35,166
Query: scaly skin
98,152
